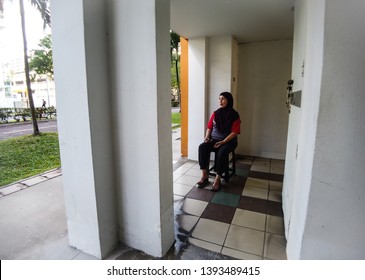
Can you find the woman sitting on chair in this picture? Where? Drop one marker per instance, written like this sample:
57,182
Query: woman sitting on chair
220,137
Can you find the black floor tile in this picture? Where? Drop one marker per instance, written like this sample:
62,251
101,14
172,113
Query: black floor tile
259,175
235,185
275,208
253,204
237,180
276,177
243,166
220,213
201,194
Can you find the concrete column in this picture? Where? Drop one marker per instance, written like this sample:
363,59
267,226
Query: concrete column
139,41
326,213
197,94
220,69
210,73
184,87
335,226
84,123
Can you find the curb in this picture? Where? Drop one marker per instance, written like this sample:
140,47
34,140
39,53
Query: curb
29,182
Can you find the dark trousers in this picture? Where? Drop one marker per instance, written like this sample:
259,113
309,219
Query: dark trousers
222,155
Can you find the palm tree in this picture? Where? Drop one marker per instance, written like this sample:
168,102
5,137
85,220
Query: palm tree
43,7
174,47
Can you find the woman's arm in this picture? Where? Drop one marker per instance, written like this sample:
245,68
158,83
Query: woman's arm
207,135
209,129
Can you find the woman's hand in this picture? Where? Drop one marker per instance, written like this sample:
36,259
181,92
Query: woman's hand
207,139
218,144
207,136
226,140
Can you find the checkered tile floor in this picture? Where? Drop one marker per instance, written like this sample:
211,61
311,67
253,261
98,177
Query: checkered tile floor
244,220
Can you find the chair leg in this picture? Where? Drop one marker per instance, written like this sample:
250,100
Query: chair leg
229,172
233,163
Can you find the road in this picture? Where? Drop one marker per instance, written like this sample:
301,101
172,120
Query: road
26,128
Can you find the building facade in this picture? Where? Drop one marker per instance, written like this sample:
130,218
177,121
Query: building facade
13,89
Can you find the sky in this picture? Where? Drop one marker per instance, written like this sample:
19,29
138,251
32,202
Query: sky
11,42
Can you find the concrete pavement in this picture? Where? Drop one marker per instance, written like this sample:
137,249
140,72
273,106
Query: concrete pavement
33,218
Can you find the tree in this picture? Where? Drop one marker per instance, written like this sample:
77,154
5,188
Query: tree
41,59
174,47
43,7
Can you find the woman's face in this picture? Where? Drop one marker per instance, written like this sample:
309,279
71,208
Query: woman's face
222,101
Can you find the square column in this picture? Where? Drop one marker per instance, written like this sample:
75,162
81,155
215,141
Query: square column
139,38
198,90
84,123
211,71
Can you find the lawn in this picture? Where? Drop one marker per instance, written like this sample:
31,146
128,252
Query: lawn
26,156
176,119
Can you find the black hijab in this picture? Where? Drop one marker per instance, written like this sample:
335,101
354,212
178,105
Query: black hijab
225,117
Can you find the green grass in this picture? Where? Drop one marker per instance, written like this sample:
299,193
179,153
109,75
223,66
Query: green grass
26,156
176,118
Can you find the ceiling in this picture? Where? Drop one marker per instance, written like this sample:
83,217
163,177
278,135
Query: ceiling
246,20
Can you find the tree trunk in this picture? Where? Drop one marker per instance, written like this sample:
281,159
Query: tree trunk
27,77
177,80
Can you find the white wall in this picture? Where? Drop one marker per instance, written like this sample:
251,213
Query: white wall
264,69
234,77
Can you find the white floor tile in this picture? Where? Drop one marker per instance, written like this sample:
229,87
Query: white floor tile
239,254
193,206
249,219
205,245
187,180
275,247
245,239
258,183
255,192
181,189
211,231
275,225
275,196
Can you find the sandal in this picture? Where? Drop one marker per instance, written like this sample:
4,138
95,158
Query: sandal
203,182
212,189
216,188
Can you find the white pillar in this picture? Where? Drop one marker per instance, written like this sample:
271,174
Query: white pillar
83,104
220,69
211,72
140,72
335,206
197,94
326,197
